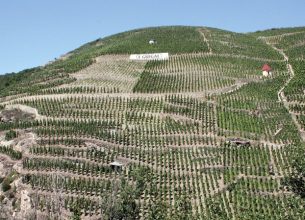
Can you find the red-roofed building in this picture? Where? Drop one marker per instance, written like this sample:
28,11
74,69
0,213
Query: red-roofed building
266,70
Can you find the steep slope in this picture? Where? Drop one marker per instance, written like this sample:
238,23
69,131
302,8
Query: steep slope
202,135
290,43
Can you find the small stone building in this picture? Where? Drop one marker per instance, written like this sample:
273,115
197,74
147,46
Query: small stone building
238,142
266,70
116,166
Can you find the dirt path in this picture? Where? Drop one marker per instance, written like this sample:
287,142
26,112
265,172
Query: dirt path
228,89
201,95
7,159
283,35
201,31
224,187
68,174
70,158
61,193
281,95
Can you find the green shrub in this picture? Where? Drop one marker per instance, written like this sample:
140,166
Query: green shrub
15,155
6,185
10,135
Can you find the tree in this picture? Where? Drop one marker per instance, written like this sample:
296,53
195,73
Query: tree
183,208
296,181
158,211
123,206
10,135
75,209
128,207
6,185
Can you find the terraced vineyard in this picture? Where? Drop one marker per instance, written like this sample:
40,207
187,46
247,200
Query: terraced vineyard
202,135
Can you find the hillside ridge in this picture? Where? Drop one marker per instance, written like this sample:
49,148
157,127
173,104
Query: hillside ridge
205,134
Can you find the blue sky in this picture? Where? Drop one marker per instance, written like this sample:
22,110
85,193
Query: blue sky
33,32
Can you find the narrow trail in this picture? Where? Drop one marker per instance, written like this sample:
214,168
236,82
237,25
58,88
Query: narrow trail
240,176
201,31
7,159
283,35
70,174
281,95
60,193
201,95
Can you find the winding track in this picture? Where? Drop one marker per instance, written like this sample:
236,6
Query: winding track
281,95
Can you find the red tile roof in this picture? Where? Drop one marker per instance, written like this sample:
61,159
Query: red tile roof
266,67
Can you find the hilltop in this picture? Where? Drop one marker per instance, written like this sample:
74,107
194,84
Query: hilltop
203,135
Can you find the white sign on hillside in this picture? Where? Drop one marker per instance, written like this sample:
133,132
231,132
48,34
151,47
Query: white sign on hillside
150,56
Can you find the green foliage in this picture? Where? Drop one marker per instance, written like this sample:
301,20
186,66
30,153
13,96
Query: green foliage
73,63
291,41
296,52
296,181
31,81
240,157
172,138
141,176
8,180
6,185
169,39
10,135
125,207
129,208
277,31
199,73
226,42
216,210
158,210
75,209
266,90
16,155
239,121
296,86
183,208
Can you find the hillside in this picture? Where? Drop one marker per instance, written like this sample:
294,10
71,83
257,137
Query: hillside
203,135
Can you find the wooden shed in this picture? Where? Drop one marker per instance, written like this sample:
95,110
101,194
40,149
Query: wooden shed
116,166
238,142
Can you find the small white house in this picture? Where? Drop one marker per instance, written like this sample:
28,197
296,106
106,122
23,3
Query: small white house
152,41
266,70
